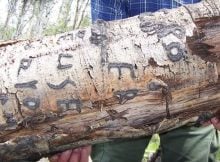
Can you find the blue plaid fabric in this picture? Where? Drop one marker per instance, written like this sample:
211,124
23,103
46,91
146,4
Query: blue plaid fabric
120,9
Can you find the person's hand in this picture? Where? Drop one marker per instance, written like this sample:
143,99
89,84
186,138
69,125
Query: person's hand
215,122
76,155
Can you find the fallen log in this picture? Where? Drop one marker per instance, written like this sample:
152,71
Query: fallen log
121,79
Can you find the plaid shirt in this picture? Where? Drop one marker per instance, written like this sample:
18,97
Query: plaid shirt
119,9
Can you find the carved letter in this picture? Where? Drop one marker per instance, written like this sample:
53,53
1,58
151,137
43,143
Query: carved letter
31,103
3,98
174,51
174,29
67,66
119,66
61,85
24,64
124,96
150,27
31,84
81,33
98,32
65,105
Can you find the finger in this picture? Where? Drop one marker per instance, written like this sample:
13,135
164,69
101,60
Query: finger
216,123
54,158
65,156
75,156
85,152
206,123
87,148
214,120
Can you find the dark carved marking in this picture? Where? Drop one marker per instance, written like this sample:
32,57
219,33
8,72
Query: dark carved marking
175,51
81,33
117,115
99,38
150,27
124,96
98,32
3,98
31,84
152,62
154,86
65,37
27,46
162,29
64,105
31,103
119,66
24,64
10,119
174,29
67,66
61,85
168,97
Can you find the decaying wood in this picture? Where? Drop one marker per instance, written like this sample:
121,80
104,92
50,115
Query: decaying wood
121,79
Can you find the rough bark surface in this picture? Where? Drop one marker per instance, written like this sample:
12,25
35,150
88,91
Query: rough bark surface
121,79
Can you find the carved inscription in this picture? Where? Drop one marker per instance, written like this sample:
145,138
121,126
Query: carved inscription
24,64
3,98
31,84
174,51
174,29
31,103
162,29
98,32
121,66
124,96
81,33
10,119
69,104
61,85
168,97
155,85
150,27
60,65
65,37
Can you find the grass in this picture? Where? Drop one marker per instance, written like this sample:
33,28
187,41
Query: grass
152,147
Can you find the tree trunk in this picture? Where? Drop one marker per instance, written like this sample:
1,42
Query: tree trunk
121,79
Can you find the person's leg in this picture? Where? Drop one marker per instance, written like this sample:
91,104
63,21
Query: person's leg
120,151
135,7
189,144
215,145
108,9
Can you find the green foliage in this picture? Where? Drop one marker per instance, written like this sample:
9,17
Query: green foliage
85,22
7,33
152,146
55,29
62,27
218,155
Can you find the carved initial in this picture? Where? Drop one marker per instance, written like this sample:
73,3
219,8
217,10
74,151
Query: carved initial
121,66
60,65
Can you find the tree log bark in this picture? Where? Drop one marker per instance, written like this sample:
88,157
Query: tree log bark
122,79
